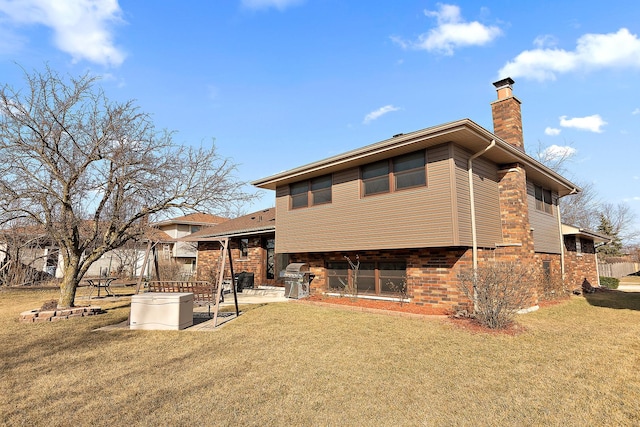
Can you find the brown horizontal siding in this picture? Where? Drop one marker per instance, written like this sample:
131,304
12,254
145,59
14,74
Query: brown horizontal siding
546,235
412,218
487,207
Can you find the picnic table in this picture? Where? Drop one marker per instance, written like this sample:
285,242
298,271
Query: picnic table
101,282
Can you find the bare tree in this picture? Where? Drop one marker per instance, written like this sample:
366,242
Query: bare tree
555,157
585,209
21,251
92,172
581,209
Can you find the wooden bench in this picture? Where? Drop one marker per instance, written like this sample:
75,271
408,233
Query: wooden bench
204,293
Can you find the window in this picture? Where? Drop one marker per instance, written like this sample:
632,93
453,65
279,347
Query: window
300,195
544,202
337,275
316,191
244,248
404,171
408,170
375,178
578,245
195,228
374,278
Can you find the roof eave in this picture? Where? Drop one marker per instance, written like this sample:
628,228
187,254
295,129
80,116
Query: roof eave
562,185
239,233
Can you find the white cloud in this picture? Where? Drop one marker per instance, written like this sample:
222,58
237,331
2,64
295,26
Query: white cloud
636,111
592,123
379,113
451,33
593,51
545,41
81,28
552,131
266,4
556,152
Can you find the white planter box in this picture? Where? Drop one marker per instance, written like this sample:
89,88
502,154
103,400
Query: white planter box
161,310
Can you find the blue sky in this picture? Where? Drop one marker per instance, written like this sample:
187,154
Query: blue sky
281,83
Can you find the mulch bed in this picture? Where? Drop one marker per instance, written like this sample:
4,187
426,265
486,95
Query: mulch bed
412,310
365,304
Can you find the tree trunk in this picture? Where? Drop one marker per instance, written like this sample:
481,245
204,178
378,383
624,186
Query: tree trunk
68,286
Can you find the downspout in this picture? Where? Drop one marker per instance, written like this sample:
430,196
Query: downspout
474,235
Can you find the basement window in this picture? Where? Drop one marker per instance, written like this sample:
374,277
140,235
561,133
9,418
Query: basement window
544,200
374,278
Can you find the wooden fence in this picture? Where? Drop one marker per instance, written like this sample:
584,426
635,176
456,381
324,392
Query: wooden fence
618,269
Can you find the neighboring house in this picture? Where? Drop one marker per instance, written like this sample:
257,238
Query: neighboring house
252,241
424,207
171,243
34,249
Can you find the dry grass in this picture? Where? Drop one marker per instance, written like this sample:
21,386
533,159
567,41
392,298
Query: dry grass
293,364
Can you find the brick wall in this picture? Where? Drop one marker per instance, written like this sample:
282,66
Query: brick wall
550,285
580,266
431,274
254,262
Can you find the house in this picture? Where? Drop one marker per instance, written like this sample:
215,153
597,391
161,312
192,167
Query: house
425,206
252,242
35,250
173,247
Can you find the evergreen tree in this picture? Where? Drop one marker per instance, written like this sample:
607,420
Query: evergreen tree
614,248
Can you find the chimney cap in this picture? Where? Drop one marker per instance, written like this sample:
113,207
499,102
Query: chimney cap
508,81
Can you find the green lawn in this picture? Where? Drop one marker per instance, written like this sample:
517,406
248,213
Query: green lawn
576,364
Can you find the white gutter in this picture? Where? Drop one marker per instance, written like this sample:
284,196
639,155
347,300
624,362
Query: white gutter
474,236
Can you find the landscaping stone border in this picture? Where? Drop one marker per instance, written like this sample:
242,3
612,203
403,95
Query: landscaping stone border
37,315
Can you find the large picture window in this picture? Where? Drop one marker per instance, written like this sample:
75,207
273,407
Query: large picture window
373,278
316,191
397,173
544,200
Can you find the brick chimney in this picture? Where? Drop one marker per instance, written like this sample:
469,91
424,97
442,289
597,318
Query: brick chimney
517,239
507,117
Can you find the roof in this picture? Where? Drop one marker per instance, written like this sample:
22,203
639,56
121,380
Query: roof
196,218
580,232
156,235
259,222
464,132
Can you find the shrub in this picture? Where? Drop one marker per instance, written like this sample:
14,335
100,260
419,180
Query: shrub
609,282
498,290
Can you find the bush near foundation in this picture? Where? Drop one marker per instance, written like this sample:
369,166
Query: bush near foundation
609,282
498,290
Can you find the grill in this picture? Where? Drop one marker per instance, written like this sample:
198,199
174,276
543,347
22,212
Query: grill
296,280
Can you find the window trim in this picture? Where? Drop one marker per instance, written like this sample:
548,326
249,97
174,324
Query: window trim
539,193
310,193
377,276
392,174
